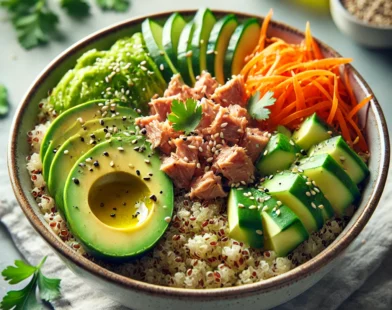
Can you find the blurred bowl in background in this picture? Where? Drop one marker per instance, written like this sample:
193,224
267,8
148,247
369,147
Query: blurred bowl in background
370,35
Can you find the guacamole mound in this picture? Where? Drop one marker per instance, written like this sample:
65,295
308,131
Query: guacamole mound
125,72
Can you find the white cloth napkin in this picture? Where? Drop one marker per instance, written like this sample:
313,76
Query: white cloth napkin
362,279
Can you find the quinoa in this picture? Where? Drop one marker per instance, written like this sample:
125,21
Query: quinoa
196,251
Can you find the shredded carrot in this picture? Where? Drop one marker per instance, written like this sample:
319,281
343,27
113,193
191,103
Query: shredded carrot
303,82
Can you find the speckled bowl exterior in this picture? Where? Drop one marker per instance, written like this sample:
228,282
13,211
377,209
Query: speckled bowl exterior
140,295
366,34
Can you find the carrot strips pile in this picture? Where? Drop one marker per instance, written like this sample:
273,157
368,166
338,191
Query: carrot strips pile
304,82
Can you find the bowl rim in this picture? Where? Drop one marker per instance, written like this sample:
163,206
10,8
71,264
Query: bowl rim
340,7
294,275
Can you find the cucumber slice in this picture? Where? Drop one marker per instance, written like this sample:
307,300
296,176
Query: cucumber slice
330,177
152,33
312,131
352,164
291,189
244,218
217,45
283,230
204,20
279,154
184,54
171,35
284,130
241,44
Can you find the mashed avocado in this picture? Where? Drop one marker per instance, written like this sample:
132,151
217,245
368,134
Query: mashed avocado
124,72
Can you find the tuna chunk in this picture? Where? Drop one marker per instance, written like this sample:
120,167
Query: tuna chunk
188,149
205,86
207,186
144,121
231,126
210,109
178,89
180,171
254,141
234,164
233,92
161,107
238,111
160,135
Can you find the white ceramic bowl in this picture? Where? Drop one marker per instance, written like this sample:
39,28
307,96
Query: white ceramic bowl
140,295
366,34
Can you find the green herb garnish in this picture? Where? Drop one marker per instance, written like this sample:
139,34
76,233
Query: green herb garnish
114,5
76,8
257,107
49,289
185,116
4,107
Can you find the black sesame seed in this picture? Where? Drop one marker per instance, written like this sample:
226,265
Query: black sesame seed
153,197
82,139
161,192
143,131
138,172
76,181
101,204
96,163
114,209
101,122
91,169
150,174
55,151
124,204
105,130
266,190
92,136
146,178
124,118
94,142
113,215
105,154
303,152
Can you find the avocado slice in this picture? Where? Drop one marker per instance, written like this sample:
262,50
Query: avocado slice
244,218
72,149
333,181
121,208
58,135
312,131
296,192
280,152
346,157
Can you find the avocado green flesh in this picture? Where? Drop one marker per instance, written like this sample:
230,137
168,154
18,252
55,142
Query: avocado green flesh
312,131
241,44
217,45
283,232
86,111
152,33
244,223
204,20
184,58
351,163
103,74
336,185
290,188
171,35
91,125
67,155
279,154
100,228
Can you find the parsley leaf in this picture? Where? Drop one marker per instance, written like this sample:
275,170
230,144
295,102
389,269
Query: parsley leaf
185,116
4,107
26,297
114,5
257,107
76,8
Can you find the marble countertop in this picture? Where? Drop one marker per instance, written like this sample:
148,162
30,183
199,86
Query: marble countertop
18,68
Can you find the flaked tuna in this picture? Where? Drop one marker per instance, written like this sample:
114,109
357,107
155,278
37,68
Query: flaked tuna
160,134
233,92
210,110
207,186
205,86
178,89
180,171
188,147
254,141
161,107
235,165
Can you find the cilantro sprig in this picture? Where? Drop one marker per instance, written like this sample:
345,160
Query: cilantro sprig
185,116
257,107
4,106
49,289
35,23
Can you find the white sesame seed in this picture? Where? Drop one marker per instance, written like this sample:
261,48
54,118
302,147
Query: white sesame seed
111,164
313,205
88,160
198,165
143,68
265,208
342,158
206,168
147,161
223,125
308,194
120,148
186,159
313,192
188,54
277,212
265,152
167,219
164,206
161,67
252,207
279,203
314,183
259,232
66,152
308,183
192,147
291,142
200,149
222,135
329,132
131,166
240,205
210,159
80,120
321,206
317,190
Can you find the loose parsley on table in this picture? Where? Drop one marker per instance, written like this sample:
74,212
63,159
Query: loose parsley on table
4,107
114,5
185,116
49,289
76,8
257,107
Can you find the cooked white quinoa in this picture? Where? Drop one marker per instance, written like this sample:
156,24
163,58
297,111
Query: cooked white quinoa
195,252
